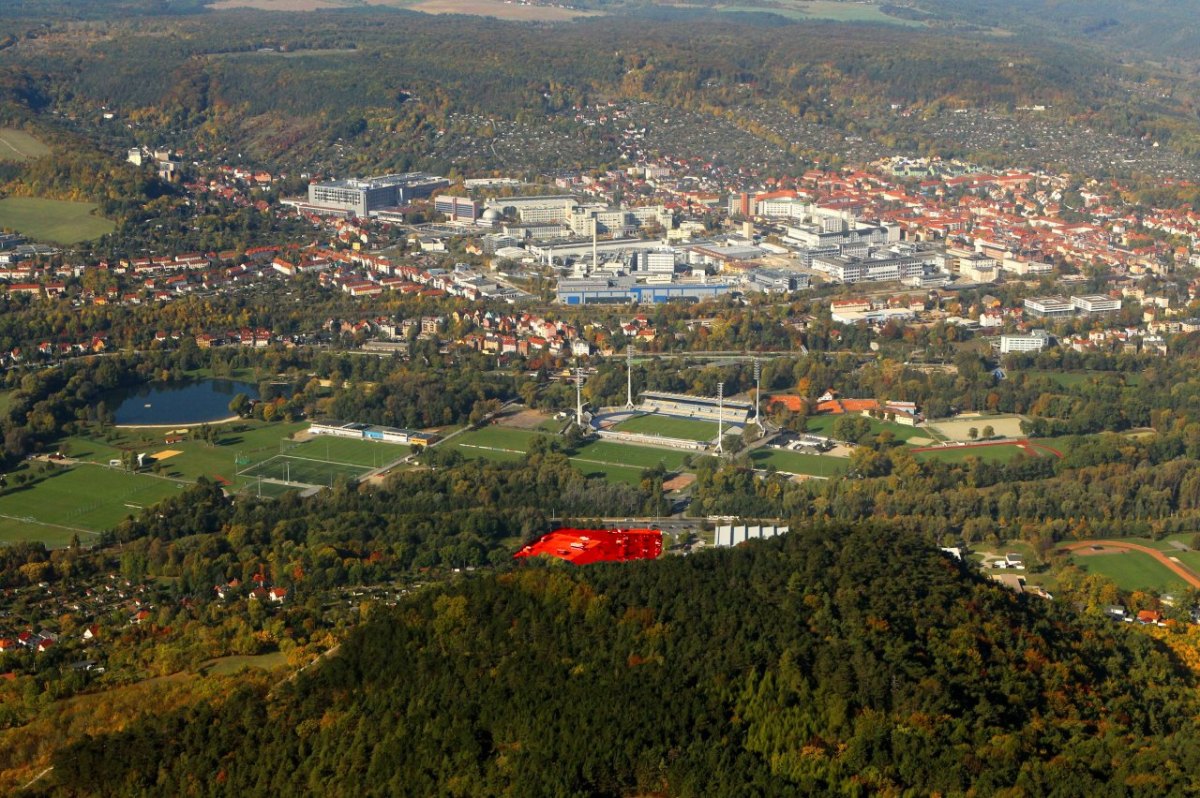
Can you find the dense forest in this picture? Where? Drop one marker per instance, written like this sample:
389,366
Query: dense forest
836,660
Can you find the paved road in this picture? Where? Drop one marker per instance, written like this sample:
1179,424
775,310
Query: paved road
1180,570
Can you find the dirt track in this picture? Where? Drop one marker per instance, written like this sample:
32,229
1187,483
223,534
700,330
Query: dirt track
1179,569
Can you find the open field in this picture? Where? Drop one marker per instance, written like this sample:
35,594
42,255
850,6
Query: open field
233,664
483,8
640,457
687,429
823,425
1130,570
817,465
1071,379
55,221
255,443
490,8
292,468
831,10
86,498
372,454
276,5
494,443
616,461
17,145
960,454
958,429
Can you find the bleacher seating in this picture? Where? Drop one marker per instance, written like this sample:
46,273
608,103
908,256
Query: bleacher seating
701,408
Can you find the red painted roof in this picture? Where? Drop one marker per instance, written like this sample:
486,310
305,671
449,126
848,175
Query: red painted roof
584,546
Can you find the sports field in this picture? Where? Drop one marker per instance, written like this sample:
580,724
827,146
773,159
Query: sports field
494,443
960,454
17,145
1130,570
55,221
688,429
959,429
372,454
617,461
817,465
249,442
290,468
82,499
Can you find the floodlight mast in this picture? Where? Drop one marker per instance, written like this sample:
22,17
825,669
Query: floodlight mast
758,394
629,376
720,418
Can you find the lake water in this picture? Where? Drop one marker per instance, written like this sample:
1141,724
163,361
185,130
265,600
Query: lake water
190,402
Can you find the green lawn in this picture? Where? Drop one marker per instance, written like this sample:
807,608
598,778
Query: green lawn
687,429
55,537
617,461
823,425
817,465
960,454
614,473
257,442
55,221
85,497
291,468
17,145
227,665
637,456
1131,570
1073,379
831,10
494,443
345,450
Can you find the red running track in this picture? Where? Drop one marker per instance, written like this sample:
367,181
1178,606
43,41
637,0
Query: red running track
1024,443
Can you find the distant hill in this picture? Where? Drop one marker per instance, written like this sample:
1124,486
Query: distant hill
1155,28
829,661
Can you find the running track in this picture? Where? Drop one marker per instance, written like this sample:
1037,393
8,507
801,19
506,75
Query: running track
1029,446
1180,570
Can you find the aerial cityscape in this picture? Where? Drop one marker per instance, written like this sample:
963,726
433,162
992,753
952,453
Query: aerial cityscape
599,398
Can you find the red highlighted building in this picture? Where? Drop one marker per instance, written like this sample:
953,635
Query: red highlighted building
583,546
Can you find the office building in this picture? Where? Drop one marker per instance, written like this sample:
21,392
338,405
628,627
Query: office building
363,197
1048,307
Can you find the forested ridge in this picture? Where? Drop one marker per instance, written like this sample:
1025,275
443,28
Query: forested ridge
393,82
835,660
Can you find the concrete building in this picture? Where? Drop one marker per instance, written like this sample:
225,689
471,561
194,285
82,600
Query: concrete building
1034,341
626,288
363,197
730,535
1095,303
1049,307
778,281
880,266
549,208
457,207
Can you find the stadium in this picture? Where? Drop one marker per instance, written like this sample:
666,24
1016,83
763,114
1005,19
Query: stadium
676,420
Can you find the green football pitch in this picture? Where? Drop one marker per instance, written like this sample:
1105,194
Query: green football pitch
687,429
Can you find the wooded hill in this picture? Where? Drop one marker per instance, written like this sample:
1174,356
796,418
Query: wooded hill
394,85
845,661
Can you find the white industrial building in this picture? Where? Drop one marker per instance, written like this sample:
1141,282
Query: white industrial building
1034,341
730,535
1096,303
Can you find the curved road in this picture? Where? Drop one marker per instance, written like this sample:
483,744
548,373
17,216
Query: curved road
1180,570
